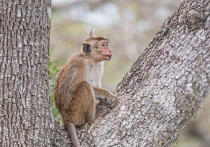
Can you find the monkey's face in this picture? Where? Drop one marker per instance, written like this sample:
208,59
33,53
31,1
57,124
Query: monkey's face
104,53
98,50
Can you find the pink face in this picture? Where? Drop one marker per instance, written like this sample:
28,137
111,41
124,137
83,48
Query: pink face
104,50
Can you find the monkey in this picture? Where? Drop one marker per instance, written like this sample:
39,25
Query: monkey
78,88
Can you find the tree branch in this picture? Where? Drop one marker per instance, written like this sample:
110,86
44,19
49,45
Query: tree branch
163,89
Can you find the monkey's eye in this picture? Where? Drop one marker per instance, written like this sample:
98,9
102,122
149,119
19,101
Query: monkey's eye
103,44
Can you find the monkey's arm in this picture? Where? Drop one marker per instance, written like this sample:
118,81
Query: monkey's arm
106,98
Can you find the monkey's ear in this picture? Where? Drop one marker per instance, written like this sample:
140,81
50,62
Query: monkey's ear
86,48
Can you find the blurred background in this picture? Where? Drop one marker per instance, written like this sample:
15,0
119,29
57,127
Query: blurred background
130,25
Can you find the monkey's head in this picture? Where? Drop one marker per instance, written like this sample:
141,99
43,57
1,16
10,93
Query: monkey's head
97,48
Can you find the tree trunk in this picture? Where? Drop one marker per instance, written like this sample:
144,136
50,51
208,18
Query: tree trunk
25,110
160,93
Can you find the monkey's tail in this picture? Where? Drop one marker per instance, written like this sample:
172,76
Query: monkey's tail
71,129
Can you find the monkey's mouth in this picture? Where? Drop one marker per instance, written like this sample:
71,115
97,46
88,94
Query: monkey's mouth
108,57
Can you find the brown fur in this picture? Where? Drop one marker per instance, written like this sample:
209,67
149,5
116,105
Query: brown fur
77,87
98,38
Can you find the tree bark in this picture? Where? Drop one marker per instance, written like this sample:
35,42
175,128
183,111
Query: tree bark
161,92
25,110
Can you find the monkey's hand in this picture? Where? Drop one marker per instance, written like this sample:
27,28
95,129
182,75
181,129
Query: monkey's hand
110,102
114,99
105,97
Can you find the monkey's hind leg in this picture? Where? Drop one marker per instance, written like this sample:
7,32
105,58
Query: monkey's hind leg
90,104
81,110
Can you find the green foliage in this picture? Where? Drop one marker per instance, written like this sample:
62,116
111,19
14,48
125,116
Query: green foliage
54,67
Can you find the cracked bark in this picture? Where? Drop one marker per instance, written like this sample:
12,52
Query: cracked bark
162,91
25,113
